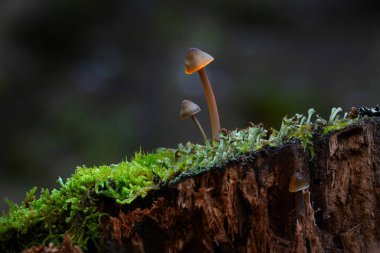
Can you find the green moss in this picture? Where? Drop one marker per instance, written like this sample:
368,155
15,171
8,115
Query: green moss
72,208
335,123
340,124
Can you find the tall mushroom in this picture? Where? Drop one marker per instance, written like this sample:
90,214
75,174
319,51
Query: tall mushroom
298,183
189,110
195,61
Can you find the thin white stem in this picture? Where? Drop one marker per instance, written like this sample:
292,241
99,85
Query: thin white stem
200,129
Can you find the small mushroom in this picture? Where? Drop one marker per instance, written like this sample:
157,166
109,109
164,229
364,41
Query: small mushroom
189,110
195,61
298,183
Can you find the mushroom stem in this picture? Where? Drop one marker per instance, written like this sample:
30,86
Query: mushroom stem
200,129
300,204
214,115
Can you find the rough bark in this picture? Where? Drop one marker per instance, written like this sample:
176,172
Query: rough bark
246,206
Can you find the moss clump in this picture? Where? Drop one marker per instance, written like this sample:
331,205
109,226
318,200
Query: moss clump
72,208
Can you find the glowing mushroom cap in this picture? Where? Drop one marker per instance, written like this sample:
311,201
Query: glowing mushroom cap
196,59
298,182
188,109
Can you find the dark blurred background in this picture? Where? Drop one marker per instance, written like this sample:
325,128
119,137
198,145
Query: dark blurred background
90,82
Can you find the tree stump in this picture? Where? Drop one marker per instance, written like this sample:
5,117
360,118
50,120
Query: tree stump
246,206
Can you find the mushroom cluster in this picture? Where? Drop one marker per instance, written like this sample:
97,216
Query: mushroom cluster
195,61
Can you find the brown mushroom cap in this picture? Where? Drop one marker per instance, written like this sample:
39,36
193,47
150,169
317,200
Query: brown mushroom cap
298,182
196,59
188,109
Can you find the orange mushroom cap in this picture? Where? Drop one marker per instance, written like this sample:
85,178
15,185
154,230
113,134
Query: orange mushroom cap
196,59
298,182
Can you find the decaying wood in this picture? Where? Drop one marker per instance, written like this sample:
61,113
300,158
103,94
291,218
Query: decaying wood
67,247
246,206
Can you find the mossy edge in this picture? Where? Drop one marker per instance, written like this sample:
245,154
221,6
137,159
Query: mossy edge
72,208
